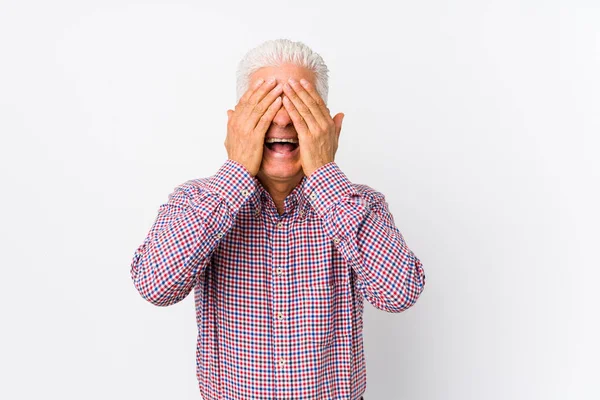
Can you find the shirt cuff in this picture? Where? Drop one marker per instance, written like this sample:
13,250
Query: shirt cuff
233,183
326,187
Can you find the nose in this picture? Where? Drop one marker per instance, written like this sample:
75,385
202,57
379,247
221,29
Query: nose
282,118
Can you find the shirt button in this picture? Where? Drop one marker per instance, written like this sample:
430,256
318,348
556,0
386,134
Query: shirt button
245,193
313,196
257,211
279,271
280,316
301,213
281,362
220,235
336,240
280,224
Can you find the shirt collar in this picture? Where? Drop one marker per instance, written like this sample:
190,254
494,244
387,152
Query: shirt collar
295,199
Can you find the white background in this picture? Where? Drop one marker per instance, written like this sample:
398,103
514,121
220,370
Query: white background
478,120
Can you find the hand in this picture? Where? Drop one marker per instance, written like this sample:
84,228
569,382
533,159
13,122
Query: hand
247,125
318,133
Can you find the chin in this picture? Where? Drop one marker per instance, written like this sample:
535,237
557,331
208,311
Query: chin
280,172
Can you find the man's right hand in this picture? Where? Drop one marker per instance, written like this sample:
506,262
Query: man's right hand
249,122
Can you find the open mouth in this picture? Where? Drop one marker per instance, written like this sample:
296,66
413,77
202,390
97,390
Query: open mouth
282,146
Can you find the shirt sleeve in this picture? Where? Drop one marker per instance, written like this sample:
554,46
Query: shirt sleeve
186,231
362,228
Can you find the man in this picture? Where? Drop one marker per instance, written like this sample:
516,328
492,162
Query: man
279,246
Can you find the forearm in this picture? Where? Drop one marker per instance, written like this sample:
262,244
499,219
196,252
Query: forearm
186,232
362,229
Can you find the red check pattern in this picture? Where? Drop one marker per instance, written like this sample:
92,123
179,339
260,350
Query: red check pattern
279,298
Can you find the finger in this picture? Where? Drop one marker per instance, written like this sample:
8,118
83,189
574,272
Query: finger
244,99
301,108
265,120
313,104
258,111
257,96
312,91
297,119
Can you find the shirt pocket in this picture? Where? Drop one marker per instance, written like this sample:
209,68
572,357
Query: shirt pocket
317,313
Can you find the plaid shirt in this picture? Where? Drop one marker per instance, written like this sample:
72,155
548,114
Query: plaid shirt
279,298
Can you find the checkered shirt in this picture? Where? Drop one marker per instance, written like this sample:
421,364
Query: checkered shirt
279,298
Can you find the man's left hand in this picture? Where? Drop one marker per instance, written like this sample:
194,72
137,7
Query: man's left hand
318,133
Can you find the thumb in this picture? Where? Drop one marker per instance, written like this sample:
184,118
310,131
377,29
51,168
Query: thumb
337,120
229,113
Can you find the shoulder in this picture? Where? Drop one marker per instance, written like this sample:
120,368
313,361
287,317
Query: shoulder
368,192
194,184
189,188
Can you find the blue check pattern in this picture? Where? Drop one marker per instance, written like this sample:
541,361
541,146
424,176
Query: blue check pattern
279,298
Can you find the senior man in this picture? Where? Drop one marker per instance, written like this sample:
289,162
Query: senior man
278,245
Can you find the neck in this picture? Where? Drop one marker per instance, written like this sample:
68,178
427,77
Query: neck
279,190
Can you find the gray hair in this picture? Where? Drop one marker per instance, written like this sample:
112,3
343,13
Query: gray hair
273,53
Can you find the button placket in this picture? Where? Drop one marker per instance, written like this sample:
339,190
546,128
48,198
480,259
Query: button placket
280,291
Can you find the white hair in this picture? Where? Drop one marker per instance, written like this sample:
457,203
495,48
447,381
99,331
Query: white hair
273,53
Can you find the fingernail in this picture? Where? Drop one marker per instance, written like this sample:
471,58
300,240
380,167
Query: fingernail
259,82
304,82
271,79
292,80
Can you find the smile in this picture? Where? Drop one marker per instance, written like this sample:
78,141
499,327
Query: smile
282,149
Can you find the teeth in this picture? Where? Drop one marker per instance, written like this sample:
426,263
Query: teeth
277,140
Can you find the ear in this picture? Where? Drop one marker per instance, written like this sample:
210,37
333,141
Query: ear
337,120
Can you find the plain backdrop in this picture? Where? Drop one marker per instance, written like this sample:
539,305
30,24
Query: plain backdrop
478,120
